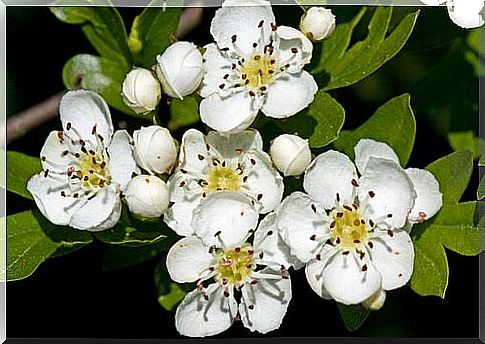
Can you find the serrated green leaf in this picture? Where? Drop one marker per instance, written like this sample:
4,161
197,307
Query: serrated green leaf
464,140
393,123
20,167
453,174
365,57
31,239
353,316
152,31
320,123
169,293
117,257
100,75
102,25
183,112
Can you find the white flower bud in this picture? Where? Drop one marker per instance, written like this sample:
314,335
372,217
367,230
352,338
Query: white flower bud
291,154
141,90
147,196
154,149
376,301
317,23
179,69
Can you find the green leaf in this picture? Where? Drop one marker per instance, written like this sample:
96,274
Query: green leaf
169,293
102,25
183,112
393,123
353,316
20,167
132,232
340,69
98,74
32,239
464,140
152,31
453,173
117,257
320,123
481,189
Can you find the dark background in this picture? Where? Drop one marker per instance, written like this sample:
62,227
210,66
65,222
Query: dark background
72,296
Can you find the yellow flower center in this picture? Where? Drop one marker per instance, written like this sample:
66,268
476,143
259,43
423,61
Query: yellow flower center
236,265
223,178
92,171
258,71
348,228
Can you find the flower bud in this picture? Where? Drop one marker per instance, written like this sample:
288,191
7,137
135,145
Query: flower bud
147,196
141,90
154,149
179,69
376,301
317,23
291,154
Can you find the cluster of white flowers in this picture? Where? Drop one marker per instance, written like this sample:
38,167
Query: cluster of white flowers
349,230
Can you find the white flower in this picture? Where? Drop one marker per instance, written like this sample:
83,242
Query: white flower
141,90
217,162
155,149
291,154
221,251
253,65
465,13
84,166
147,196
347,228
318,23
179,69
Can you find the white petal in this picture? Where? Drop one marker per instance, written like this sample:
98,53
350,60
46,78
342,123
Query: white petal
216,67
394,258
433,2
274,249
47,196
224,219
298,222
112,219
393,193
232,146
269,299
367,148
197,317
289,94
292,38
52,153
264,183
234,112
193,153
345,281
428,196
330,173
188,260
96,211
314,271
466,13
242,18
179,216
85,109
122,164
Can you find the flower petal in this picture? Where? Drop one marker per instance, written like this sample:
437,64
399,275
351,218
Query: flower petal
85,109
289,94
393,256
367,148
188,260
224,219
122,164
330,173
264,184
198,317
345,280
242,18
428,196
291,38
216,67
264,304
392,193
466,13
314,271
53,157
299,219
47,196
96,211
193,156
232,146
179,215
231,113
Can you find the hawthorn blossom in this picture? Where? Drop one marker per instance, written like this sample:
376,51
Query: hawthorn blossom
467,14
85,166
218,162
254,65
236,278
